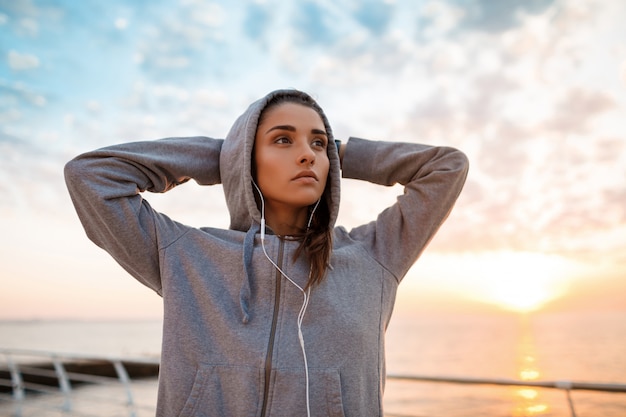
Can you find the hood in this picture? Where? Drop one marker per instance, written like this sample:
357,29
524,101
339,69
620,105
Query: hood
236,166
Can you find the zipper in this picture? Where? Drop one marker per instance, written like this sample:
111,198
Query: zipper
270,343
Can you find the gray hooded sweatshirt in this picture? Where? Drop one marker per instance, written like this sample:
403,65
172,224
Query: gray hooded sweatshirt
230,339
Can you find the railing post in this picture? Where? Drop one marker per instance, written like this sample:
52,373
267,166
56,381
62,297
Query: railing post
125,380
64,383
571,402
567,387
17,385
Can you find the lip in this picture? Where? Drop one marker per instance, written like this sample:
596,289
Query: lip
306,174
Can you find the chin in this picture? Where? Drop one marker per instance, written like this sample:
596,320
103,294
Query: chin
306,202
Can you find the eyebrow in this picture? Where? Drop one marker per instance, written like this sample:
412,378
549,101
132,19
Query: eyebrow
293,129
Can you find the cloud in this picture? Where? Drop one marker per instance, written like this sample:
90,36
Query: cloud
21,61
546,173
121,23
375,15
189,43
312,24
208,14
34,184
435,20
17,96
24,17
10,140
575,111
497,16
610,150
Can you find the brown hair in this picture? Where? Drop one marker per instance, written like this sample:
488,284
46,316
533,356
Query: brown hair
317,240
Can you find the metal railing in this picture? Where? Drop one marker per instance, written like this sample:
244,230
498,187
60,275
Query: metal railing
45,380
564,385
28,374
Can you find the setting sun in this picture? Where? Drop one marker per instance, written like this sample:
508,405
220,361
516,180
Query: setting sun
522,294
509,280
521,281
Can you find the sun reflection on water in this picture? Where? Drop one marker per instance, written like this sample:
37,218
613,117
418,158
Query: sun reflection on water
528,402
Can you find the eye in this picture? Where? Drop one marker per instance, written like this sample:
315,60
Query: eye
282,140
319,143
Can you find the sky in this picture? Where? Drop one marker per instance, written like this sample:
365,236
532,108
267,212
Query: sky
534,92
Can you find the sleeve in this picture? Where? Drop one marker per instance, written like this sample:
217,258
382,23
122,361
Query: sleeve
105,187
432,178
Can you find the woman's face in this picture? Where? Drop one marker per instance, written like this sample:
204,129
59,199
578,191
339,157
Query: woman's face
290,156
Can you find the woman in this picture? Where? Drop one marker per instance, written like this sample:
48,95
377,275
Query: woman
283,314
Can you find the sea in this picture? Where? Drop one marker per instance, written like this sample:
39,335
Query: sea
589,347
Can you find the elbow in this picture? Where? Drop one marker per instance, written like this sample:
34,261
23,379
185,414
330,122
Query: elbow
463,161
457,160
457,167
70,171
74,172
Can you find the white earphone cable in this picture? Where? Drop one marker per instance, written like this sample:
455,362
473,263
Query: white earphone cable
306,295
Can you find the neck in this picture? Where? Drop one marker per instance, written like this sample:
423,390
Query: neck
286,222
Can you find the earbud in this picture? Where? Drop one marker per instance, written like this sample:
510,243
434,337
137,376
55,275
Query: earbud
312,212
262,211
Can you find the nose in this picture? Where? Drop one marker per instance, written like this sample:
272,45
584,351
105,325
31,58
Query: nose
306,154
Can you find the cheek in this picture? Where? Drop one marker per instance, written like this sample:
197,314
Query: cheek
265,168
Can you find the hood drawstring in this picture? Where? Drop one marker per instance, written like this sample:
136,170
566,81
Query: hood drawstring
245,293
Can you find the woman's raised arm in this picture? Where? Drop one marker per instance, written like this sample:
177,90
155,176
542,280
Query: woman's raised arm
432,177
105,187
